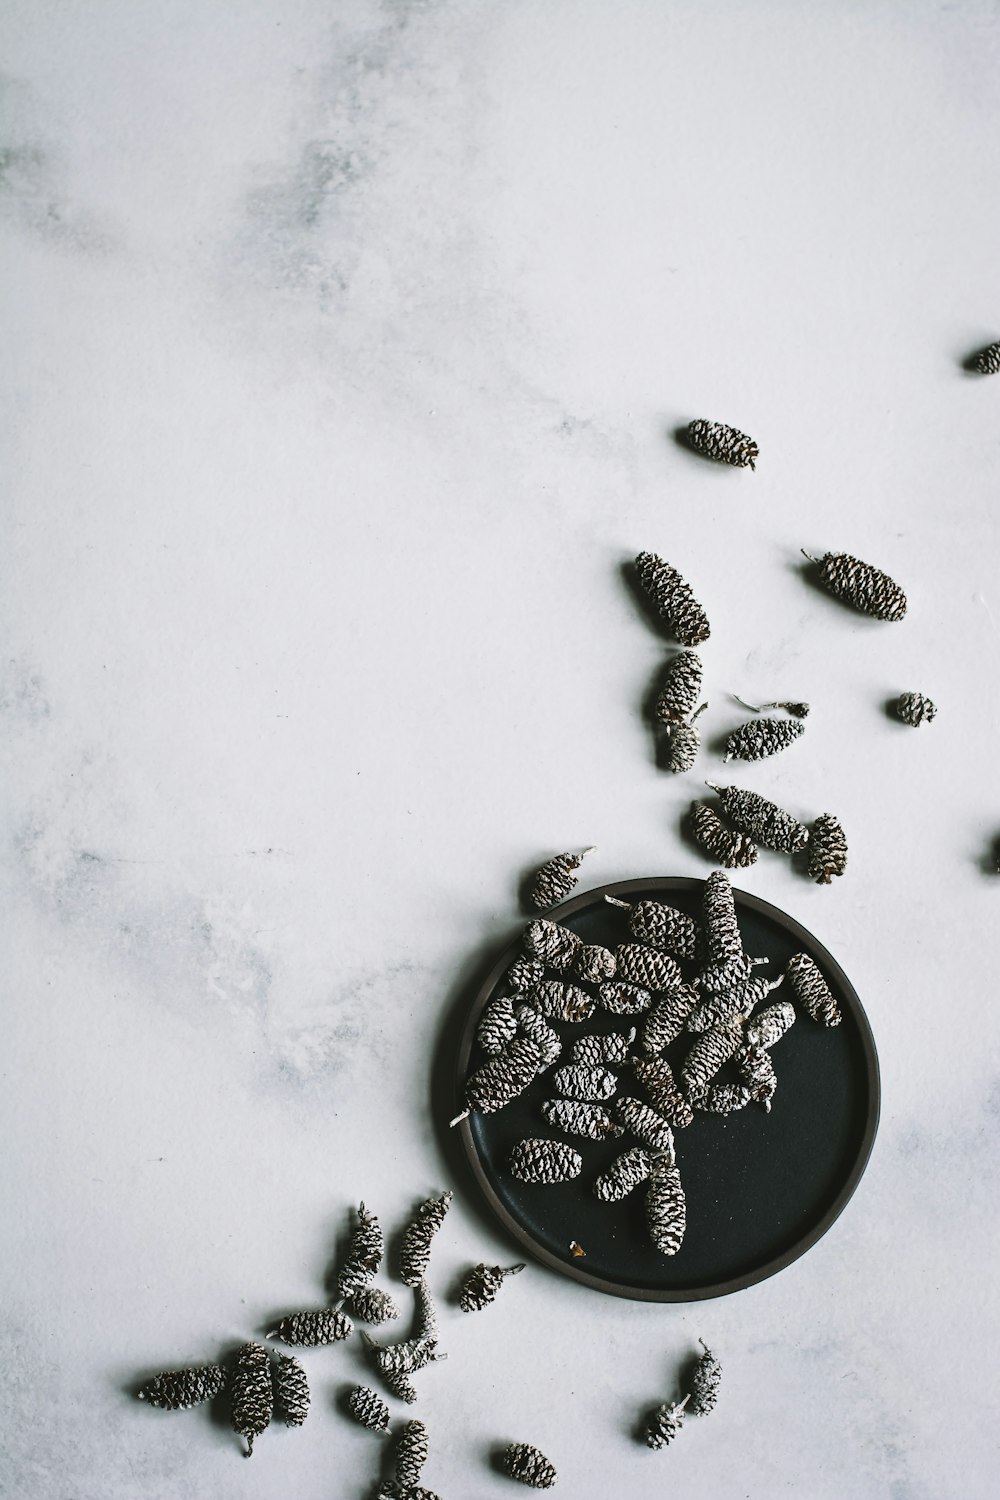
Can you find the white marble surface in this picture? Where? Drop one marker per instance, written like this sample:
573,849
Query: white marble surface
343,345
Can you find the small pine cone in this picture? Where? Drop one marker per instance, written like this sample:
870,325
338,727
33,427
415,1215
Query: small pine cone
530,1466
575,1117
411,1453
731,1002
481,1286
666,1208
576,1081
725,1098
721,844
761,820
392,1491
704,1384
427,1326
709,1053
364,1256
914,709
673,599
368,1408
612,1047
531,1025
404,1357
827,850
757,1072
291,1390
310,1329
415,1250
812,991
561,1002
497,1025
621,999
681,686
594,963
726,445
665,1424
524,973
543,1162
178,1390
666,1020
504,1077
647,967
759,738
624,1175
550,943
554,881
253,1399
725,976
683,746
662,926
770,1026
646,1125
987,361
722,930
657,1078
862,586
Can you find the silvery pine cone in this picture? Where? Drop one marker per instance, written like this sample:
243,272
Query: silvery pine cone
724,977
577,1081
722,845
761,820
575,1117
411,1453
759,738
666,1207
291,1390
730,1002
178,1390
480,1287
395,1362
550,943
645,1124
309,1329
673,599
725,1098
914,709
812,991
757,1072
624,1175
503,1077
726,445
681,686
364,1256
561,1002
531,1025
987,361
704,1384
497,1025
859,584
543,1162
612,1047
827,850
648,967
253,1399
368,1408
530,1466
657,1078
770,1026
683,745
415,1250
662,926
594,963
556,878
524,973
722,930
666,1020
621,999
665,1424
427,1327
710,1052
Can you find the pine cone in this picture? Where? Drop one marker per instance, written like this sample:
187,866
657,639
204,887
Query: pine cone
683,745
310,1329
722,930
647,967
594,963
666,1208
665,1424
761,820
704,1384
725,977
681,686
662,926
759,738
726,445
770,1026
730,1003
531,1025
721,844
757,1072
524,973
914,709
427,1326
575,1081
987,361
624,1175
594,1051
411,1453
673,599
503,1077
859,584
712,1049
621,999
725,1098
555,880
827,850
530,1466
812,991
396,1361
291,1390
645,1124
497,1025
415,1250
253,1401
550,943
561,1002
179,1390
364,1256
665,1021
656,1077
574,1117
543,1162
481,1286
368,1408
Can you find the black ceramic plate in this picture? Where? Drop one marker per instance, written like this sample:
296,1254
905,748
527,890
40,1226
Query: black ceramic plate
761,1188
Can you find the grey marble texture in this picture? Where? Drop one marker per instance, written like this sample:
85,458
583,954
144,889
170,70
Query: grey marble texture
344,347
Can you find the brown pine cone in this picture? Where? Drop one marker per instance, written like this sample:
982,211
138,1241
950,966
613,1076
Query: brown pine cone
827,850
555,880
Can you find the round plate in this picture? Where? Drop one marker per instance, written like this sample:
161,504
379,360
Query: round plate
761,1188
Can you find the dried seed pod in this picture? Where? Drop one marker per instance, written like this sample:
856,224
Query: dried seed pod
987,361
800,710
681,686
503,1078
612,1047
561,1002
556,878
543,1162
666,1207
757,1072
683,745
524,973
624,1175
480,1287
497,1025
726,445
178,1390
704,1384
550,943
530,1466
415,1250
859,584
770,1026
666,1423
721,844
761,820
657,1078
576,1081
725,1098
364,1255
812,991
575,1117
621,999
722,930
594,963
708,1054
310,1329
915,709
647,967
531,1025
666,1020
645,1124
411,1453
673,599
427,1327
759,738
368,1408
827,850
291,1390
662,926
253,1400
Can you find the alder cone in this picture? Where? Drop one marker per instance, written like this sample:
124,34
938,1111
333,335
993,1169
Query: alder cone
987,361
481,1286
373,1305
575,1117
645,1124
497,1025
663,926
550,943
667,1019
722,930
